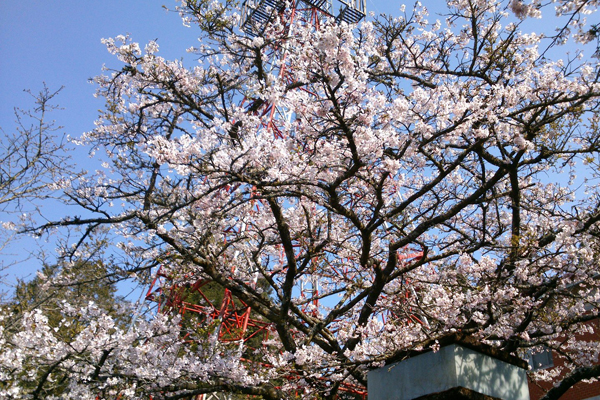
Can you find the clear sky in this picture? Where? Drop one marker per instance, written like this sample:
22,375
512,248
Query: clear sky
58,42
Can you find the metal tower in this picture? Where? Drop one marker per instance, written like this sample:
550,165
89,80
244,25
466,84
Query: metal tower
256,14
232,320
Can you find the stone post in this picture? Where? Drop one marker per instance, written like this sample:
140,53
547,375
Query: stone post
461,369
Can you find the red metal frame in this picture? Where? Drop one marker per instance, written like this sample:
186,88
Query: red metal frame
235,322
234,318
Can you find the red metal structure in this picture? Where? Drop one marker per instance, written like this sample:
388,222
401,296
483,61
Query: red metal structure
202,300
231,316
233,320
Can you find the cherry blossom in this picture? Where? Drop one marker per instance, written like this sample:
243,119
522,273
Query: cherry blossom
414,176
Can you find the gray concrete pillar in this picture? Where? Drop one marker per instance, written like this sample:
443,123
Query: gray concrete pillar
453,372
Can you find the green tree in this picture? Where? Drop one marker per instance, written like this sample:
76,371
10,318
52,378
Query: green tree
43,292
53,296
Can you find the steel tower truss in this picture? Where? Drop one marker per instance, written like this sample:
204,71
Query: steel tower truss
232,319
257,14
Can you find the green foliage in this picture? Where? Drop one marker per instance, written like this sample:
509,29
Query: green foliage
46,292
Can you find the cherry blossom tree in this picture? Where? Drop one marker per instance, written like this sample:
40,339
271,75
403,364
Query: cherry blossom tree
49,305
434,174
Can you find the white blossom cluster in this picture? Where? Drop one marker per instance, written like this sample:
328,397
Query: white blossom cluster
366,190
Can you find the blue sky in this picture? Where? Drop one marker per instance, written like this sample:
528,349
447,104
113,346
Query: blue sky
58,42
